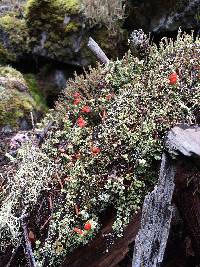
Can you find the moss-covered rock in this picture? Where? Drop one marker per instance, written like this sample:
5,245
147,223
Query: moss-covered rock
56,29
14,38
5,55
18,97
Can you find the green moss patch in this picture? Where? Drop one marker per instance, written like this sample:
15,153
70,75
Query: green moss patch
14,30
48,17
36,92
14,104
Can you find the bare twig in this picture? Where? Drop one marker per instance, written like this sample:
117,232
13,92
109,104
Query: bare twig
45,223
13,256
32,120
96,49
28,249
42,135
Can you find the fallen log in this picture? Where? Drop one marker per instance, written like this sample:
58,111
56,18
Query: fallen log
103,251
183,148
157,211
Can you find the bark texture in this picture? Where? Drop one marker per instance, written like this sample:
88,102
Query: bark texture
152,238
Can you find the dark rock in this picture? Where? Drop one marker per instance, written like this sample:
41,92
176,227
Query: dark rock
161,16
184,141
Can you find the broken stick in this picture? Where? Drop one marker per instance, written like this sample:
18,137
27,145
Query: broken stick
96,49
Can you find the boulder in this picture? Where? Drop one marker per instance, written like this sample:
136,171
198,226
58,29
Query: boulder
57,30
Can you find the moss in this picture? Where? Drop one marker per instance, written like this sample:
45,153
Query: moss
71,6
14,104
35,91
5,55
14,31
48,17
72,27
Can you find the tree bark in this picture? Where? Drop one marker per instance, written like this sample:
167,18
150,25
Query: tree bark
183,145
157,211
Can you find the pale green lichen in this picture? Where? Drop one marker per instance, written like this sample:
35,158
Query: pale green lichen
9,72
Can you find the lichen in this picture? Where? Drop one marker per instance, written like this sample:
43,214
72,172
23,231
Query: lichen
9,72
14,105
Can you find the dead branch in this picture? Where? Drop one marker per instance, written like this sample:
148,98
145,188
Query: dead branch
96,49
28,248
42,135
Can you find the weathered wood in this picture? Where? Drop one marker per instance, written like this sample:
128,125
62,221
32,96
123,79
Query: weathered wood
28,249
96,49
101,252
157,210
182,144
185,142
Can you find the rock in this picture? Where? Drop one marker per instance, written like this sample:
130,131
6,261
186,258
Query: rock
13,83
14,39
184,141
55,31
60,31
6,129
160,16
53,79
